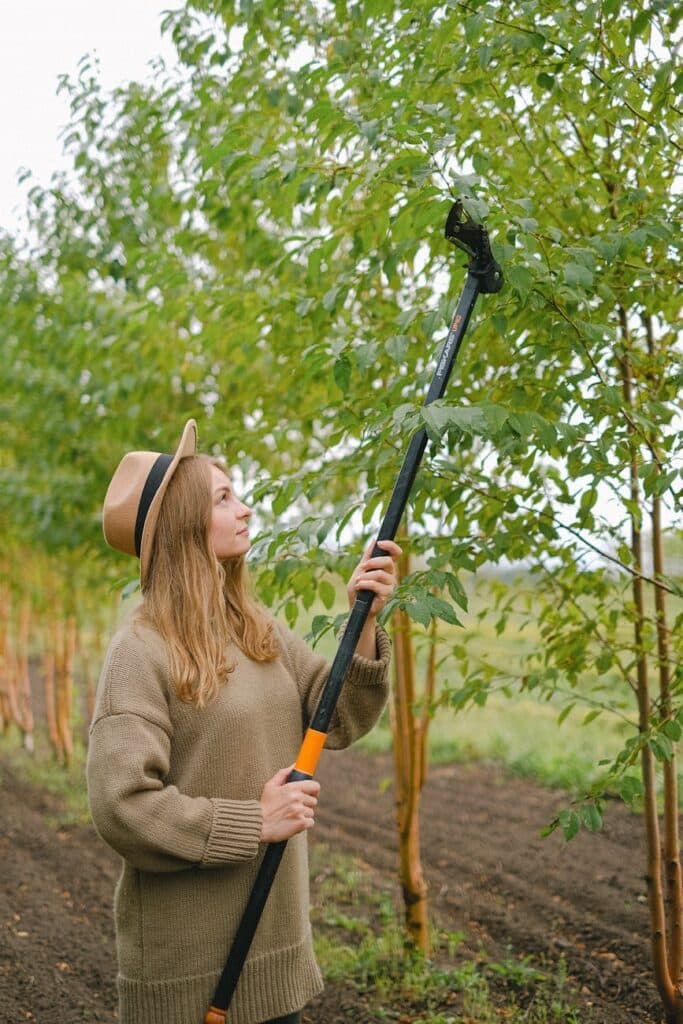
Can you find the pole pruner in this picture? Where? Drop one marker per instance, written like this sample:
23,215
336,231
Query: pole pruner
484,276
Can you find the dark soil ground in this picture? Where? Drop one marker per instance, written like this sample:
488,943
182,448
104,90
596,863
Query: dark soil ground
490,876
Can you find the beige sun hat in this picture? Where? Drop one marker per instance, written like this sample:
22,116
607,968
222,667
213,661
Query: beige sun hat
134,496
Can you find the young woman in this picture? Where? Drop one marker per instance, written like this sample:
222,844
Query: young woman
201,708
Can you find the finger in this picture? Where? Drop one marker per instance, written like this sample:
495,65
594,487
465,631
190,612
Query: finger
391,547
380,576
370,548
311,786
307,787
379,562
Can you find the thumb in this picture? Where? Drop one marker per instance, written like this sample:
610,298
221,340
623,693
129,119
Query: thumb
280,778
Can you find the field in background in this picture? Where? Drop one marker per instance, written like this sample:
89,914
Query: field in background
522,730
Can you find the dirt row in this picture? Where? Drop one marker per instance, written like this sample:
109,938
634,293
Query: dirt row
491,876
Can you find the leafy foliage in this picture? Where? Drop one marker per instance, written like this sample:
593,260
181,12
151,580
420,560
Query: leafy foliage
255,239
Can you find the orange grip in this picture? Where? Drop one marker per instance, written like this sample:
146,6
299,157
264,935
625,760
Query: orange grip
214,1016
309,753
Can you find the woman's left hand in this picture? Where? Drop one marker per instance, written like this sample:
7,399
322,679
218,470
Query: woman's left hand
379,575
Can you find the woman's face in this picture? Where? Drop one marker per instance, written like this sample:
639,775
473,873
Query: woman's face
229,519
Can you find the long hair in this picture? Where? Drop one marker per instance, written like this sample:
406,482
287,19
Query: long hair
199,605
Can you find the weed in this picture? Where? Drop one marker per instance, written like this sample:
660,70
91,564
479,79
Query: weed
397,982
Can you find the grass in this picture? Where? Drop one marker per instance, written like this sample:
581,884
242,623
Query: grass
519,733
360,942
41,770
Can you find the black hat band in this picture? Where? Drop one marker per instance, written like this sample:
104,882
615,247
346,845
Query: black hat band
152,484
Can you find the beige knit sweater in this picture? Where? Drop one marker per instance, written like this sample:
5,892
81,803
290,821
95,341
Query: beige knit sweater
175,791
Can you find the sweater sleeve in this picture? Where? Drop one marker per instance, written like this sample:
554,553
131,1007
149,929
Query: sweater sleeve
363,695
147,821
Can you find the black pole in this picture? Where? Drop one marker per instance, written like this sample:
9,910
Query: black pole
485,276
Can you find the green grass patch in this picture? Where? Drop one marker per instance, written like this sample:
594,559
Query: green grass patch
40,769
360,943
521,734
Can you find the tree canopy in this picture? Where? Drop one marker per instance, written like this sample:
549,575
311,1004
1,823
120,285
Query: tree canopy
256,238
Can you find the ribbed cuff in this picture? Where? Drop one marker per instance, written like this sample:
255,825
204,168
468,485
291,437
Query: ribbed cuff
235,832
367,672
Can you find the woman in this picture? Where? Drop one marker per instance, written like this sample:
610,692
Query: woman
201,708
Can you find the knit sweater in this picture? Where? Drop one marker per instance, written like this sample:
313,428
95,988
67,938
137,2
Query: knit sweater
175,791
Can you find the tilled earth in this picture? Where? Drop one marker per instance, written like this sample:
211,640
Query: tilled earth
490,875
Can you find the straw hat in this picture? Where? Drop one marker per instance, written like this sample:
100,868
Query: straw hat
134,496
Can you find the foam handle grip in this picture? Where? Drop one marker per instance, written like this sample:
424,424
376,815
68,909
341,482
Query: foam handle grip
214,1016
309,755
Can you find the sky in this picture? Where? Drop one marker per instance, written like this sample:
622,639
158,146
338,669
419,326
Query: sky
42,39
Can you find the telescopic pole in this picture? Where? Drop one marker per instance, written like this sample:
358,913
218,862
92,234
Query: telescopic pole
484,276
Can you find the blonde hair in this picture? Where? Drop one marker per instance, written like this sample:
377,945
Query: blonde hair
198,604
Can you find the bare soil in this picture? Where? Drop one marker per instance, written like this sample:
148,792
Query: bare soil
490,876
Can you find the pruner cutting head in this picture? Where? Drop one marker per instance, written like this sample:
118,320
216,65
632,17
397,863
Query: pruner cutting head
473,239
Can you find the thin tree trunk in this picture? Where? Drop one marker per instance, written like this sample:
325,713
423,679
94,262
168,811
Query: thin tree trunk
5,710
10,664
49,691
409,772
24,674
672,851
64,686
49,675
658,934
429,690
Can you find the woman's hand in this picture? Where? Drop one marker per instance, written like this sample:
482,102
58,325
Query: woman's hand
287,807
378,574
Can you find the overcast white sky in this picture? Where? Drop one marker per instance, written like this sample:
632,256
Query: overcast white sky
42,39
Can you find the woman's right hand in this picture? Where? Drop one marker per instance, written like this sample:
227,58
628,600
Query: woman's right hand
287,807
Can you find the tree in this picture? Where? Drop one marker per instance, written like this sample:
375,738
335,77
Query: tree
257,238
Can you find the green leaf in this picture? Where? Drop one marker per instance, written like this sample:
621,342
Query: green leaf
366,356
419,611
578,275
342,373
570,823
630,788
672,729
441,609
591,817
397,347
564,713
327,593
661,747
520,279
473,26
499,321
